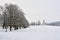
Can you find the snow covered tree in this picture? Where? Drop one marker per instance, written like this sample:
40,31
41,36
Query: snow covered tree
15,17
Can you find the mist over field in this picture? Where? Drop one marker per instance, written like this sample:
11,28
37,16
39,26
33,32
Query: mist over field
29,19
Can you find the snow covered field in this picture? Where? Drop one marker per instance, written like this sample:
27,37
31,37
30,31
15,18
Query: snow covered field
32,33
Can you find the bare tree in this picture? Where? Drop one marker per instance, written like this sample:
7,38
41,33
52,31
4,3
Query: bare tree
14,17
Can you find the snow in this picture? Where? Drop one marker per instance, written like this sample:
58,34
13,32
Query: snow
32,33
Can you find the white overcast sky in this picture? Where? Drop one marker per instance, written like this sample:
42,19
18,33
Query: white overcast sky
35,10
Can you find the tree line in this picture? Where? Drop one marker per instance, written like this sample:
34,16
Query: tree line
13,16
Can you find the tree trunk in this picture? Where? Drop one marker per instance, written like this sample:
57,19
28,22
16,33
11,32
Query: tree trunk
15,28
10,28
20,27
6,29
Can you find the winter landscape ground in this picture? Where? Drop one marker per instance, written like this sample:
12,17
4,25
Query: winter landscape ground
32,33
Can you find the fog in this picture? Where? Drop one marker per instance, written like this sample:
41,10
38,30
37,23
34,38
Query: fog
48,10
